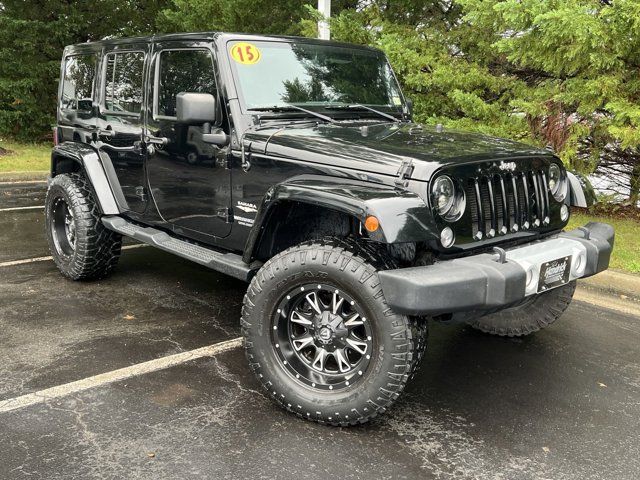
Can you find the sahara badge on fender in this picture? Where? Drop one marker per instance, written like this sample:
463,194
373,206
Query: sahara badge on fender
245,53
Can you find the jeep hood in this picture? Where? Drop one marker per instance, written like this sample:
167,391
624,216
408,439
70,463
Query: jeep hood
383,148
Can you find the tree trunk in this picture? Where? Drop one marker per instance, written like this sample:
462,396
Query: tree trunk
634,194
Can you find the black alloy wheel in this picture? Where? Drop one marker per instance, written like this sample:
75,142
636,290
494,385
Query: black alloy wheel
63,228
322,337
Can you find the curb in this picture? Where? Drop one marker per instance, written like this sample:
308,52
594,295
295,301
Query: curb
624,285
37,176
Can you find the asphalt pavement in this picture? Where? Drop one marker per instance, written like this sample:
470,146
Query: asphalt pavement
109,379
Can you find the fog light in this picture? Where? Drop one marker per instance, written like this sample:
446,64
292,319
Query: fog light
446,237
579,265
531,276
564,213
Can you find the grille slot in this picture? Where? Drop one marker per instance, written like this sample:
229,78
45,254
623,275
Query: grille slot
507,202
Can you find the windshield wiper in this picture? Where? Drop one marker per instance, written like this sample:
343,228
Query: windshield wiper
288,107
360,106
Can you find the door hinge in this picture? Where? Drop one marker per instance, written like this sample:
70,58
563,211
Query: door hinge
223,159
226,214
404,174
141,193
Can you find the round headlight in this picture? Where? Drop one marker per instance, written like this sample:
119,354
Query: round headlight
443,194
557,182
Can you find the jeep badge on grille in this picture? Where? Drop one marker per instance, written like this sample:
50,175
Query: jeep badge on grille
507,166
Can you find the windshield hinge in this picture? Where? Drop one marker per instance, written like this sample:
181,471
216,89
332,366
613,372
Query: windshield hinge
404,174
245,156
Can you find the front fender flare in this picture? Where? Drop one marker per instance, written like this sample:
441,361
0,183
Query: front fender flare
403,215
581,192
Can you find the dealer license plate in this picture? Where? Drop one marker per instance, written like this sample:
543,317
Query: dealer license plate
554,273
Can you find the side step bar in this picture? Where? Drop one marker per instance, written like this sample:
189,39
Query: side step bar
227,263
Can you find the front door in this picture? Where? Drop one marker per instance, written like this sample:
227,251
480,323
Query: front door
120,121
188,179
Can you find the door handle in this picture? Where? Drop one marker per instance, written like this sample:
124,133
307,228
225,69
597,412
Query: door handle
151,140
101,145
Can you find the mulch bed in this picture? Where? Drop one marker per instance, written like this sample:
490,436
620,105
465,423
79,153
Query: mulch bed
615,210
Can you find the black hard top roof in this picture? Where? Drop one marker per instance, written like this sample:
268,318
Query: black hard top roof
206,36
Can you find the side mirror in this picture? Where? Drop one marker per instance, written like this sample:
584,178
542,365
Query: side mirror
200,109
195,108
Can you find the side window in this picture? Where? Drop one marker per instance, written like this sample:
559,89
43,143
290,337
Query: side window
77,84
182,71
123,82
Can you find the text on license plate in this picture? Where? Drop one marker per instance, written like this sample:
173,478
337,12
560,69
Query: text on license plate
554,273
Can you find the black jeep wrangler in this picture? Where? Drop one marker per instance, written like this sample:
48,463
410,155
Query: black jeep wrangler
293,164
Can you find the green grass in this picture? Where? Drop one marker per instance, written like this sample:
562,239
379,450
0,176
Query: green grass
626,252
26,157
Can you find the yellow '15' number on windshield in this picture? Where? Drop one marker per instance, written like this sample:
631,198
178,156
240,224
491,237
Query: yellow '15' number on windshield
245,53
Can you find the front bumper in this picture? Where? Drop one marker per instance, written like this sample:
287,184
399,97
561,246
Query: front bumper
487,281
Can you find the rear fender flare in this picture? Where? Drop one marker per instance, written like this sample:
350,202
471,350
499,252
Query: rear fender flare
90,161
403,215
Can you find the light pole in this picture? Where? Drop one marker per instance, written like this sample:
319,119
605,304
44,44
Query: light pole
324,7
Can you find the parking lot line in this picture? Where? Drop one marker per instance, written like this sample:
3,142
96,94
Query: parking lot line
23,182
44,259
15,209
138,369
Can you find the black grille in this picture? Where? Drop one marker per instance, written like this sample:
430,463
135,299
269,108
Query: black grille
507,202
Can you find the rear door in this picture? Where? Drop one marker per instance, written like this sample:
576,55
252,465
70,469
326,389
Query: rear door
121,119
189,181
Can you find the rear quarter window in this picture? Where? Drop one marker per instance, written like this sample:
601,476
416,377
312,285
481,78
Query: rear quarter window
77,83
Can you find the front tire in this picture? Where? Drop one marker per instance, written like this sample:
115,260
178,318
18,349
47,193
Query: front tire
320,337
530,316
81,247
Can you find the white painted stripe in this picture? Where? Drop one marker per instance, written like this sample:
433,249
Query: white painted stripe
26,260
21,182
44,259
15,209
59,391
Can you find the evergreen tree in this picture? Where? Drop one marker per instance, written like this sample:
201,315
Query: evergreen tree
561,73
33,34
551,72
281,17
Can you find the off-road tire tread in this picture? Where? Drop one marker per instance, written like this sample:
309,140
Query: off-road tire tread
529,317
97,248
357,259
420,335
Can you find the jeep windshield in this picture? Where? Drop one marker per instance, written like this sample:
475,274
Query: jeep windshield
272,76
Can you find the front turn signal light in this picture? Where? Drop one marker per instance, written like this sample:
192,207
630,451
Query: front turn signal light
371,223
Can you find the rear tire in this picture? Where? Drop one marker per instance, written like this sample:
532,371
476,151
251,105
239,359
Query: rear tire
82,248
531,316
284,353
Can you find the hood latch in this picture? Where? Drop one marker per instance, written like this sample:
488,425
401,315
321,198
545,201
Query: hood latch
404,174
